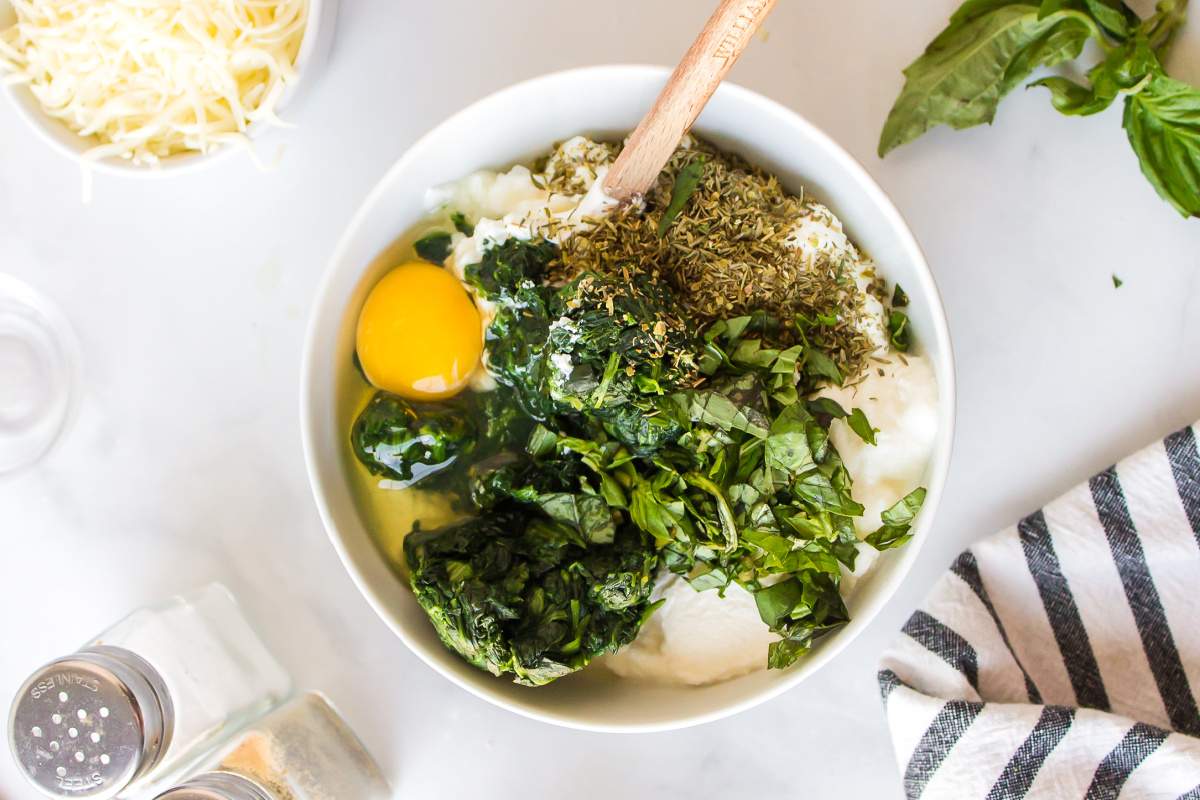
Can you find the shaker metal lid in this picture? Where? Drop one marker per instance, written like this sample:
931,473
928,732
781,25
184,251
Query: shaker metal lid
87,725
218,786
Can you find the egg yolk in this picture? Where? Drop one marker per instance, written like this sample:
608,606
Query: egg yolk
419,333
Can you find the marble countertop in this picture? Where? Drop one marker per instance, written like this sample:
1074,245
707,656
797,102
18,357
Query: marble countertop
190,297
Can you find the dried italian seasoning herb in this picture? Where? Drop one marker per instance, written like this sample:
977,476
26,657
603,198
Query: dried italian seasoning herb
730,249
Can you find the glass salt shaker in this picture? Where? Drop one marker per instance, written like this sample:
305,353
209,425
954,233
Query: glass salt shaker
302,750
143,701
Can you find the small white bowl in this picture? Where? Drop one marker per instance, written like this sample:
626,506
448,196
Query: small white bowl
517,124
314,48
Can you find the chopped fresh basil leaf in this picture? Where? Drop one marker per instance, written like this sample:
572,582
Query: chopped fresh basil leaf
859,424
787,447
686,184
712,578
819,365
897,522
827,406
899,297
716,409
785,652
889,537
776,602
541,442
898,330
1117,282
906,509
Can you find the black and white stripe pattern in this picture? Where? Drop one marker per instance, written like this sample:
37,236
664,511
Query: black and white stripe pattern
1061,657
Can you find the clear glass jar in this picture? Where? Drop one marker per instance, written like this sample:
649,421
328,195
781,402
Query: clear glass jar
302,750
138,705
39,365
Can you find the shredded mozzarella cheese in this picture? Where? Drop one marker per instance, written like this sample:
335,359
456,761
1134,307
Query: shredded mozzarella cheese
148,79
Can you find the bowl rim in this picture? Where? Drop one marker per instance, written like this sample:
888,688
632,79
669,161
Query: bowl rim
29,110
938,469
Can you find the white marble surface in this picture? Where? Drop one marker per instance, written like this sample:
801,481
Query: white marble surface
190,298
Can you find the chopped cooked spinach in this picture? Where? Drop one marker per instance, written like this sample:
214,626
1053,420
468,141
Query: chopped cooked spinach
595,347
406,441
462,224
614,356
516,593
511,272
558,487
411,442
433,247
502,423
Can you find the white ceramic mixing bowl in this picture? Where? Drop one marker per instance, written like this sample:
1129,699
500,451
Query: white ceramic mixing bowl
515,125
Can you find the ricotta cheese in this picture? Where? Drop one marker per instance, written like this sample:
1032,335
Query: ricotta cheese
903,404
695,637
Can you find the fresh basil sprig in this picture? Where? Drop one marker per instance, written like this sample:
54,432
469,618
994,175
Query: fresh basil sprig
988,49
1163,123
992,46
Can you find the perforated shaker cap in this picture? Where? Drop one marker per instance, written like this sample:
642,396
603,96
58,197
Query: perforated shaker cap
218,786
89,724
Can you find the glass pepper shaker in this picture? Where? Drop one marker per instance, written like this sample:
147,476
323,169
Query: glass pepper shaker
141,702
302,750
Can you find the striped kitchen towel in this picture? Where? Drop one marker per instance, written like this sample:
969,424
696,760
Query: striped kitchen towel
1061,658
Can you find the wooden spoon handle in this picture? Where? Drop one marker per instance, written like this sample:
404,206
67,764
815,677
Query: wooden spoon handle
703,67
